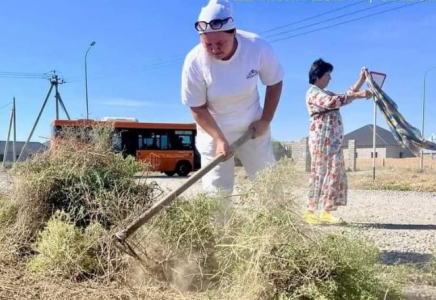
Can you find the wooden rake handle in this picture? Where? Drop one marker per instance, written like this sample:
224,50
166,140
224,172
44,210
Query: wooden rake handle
147,215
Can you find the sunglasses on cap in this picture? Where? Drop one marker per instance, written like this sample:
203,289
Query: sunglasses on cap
214,24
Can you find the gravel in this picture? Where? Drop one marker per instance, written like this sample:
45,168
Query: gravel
5,181
401,224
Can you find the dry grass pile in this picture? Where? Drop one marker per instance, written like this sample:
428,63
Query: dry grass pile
64,203
258,248
13,285
61,214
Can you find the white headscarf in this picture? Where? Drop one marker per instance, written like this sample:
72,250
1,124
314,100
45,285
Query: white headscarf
217,9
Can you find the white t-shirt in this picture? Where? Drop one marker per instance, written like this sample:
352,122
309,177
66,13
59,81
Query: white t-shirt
230,87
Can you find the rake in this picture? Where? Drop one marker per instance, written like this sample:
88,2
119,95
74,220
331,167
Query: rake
121,236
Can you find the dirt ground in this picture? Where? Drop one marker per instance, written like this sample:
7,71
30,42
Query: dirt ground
397,213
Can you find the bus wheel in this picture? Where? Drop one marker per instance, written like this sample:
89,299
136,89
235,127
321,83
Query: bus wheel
170,173
183,168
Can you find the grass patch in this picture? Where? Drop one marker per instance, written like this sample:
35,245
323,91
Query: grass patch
394,179
190,223
8,213
258,248
65,202
66,250
253,245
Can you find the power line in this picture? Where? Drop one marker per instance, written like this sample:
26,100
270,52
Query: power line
4,106
170,62
328,20
22,75
16,77
157,65
180,57
341,23
311,18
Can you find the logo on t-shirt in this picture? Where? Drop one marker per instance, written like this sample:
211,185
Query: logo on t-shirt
253,73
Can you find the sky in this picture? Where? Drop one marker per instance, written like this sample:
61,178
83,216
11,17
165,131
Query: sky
134,68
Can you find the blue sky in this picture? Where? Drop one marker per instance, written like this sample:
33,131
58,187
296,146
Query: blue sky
134,68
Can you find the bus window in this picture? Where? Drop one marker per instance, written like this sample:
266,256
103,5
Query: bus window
184,140
117,142
164,142
150,143
153,141
140,142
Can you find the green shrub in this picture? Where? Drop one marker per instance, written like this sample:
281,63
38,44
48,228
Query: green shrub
190,223
66,250
87,180
265,251
95,189
8,213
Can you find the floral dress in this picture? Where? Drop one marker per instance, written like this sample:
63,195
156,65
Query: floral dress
328,180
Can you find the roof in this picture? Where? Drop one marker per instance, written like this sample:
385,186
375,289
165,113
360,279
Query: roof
364,137
127,125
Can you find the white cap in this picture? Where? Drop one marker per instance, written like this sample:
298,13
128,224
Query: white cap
217,9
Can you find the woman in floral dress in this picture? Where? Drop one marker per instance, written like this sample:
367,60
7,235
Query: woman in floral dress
328,180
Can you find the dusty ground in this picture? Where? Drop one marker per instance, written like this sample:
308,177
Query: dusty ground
401,223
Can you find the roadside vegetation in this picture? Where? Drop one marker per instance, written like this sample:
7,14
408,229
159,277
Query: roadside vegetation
58,219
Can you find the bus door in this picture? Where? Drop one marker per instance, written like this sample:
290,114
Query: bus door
126,140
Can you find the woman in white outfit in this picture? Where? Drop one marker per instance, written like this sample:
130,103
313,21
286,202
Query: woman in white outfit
219,84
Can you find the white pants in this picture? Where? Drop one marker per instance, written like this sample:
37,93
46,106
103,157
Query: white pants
256,155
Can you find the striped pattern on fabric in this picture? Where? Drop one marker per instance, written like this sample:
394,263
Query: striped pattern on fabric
406,135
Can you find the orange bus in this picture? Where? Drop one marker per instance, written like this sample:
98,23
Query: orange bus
168,148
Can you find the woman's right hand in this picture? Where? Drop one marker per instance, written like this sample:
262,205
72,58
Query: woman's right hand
367,94
363,94
360,95
222,147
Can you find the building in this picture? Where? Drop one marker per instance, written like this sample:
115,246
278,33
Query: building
431,138
361,140
386,145
31,148
299,151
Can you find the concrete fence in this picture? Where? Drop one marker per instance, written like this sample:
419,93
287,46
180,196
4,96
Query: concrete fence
299,152
400,163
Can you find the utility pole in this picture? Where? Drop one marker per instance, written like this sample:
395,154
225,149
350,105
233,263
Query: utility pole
11,125
421,161
54,82
86,79
15,131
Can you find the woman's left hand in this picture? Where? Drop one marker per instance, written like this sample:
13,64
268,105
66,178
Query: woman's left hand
260,127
